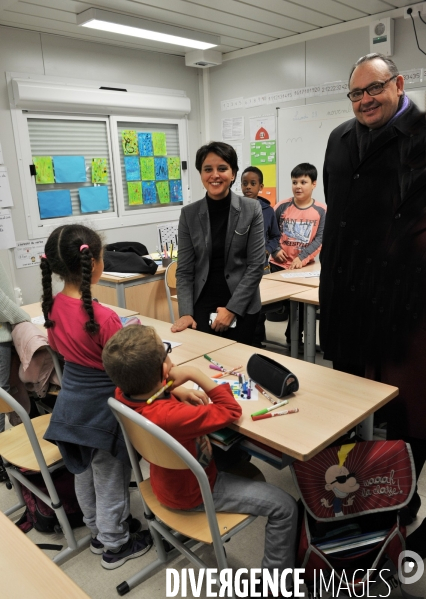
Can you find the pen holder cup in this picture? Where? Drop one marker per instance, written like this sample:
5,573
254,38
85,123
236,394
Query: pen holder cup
272,376
166,261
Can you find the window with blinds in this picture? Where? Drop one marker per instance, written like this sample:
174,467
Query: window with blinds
150,165
73,166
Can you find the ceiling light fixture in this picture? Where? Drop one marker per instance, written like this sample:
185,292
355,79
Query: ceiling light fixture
151,30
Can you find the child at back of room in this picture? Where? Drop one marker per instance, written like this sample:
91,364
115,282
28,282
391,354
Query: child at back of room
82,425
301,222
252,185
146,367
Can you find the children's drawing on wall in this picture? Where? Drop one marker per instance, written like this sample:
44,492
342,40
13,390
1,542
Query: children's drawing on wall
99,170
129,140
44,169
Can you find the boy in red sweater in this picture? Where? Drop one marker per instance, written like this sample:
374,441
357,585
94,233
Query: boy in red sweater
138,362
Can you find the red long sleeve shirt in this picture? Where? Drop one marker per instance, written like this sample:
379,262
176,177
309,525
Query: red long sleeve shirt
178,489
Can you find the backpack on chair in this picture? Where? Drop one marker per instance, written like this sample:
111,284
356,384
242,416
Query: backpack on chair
352,495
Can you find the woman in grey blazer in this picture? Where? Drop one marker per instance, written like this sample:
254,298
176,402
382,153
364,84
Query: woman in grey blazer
221,252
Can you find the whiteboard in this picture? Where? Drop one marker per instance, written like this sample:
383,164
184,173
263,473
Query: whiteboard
303,133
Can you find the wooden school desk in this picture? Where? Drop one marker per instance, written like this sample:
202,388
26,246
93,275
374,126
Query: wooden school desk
34,310
25,571
310,299
330,403
194,343
146,294
297,279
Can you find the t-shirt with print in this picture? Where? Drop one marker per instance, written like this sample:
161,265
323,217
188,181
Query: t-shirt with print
301,230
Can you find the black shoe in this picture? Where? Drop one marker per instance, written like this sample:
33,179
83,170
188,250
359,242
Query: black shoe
134,526
279,316
137,545
3,474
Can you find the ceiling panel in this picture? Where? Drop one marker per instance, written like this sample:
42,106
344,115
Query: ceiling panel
240,23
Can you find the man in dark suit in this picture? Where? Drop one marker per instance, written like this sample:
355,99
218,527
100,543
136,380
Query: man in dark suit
373,286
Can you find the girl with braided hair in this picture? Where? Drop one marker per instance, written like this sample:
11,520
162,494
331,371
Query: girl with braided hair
82,425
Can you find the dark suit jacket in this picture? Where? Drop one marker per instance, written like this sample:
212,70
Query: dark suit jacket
244,255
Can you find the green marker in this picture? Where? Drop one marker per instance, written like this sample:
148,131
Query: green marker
266,410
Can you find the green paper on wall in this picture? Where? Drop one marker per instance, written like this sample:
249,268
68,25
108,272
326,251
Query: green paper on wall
44,169
99,170
134,189
163,192
159,144
129,140
173,164
147,168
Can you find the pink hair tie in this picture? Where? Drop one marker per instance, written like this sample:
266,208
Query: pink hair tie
43,256
83,247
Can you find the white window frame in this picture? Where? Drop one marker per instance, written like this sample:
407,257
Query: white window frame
167,212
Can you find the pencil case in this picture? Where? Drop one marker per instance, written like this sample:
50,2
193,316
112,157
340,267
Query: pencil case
270,375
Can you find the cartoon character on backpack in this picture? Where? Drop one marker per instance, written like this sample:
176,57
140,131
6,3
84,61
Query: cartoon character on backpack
342,482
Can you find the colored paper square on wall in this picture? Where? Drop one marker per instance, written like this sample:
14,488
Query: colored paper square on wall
264,152
69,169
145,144
53,204
161,170
269,174
129,140
176,191
147,169
44,169
159,144
134,189
94,199
173,164
163,192
132,168
270,194
149,192
99,170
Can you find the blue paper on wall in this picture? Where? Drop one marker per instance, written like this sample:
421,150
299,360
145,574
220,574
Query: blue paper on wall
94,199
132,168
149,192
176,191
56,203
145,144
69,169
161,169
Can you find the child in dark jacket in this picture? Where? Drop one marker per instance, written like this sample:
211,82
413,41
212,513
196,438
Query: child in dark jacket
251,185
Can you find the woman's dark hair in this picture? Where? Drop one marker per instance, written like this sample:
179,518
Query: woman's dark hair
221,149
65,257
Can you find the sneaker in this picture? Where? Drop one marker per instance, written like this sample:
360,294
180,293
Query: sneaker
134,526
137,545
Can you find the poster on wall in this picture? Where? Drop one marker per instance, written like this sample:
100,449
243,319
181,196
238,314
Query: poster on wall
5,194
28,252
7,234
236,188
263,153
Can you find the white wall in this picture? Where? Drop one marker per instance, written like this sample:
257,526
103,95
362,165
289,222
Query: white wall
29,52
313,62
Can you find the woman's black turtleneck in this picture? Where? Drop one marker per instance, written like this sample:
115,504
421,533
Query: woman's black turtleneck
216,292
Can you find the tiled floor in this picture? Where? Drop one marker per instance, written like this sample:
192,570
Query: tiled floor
244,551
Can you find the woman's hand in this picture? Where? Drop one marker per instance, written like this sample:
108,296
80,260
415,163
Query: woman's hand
280,256
193,397
184,322
297,263
223,320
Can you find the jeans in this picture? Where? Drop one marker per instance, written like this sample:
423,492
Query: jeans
244,496
5,357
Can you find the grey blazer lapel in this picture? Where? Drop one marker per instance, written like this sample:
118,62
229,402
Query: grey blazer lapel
203,216
234,215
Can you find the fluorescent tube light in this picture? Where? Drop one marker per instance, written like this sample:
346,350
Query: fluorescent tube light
151,30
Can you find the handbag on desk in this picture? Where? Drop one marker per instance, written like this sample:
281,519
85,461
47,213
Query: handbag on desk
128,257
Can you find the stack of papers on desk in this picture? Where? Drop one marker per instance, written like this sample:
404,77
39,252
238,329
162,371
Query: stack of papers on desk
123,275
300,275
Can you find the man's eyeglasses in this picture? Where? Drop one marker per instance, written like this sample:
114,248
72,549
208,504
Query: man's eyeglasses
374,89
342,479
167,347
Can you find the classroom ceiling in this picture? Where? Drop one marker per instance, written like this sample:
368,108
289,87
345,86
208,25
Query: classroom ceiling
240,23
